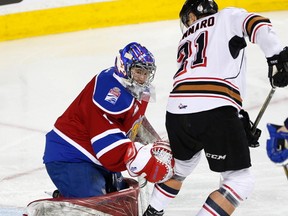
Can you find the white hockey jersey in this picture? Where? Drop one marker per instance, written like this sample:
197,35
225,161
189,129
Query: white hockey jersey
211,60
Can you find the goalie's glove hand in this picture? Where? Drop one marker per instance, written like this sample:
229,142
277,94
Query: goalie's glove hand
153,161
252,138
278,69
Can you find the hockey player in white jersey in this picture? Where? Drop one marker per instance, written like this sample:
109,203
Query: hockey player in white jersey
204,104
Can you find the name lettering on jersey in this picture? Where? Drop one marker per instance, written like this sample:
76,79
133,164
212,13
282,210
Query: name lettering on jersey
113,95
215,157
205,23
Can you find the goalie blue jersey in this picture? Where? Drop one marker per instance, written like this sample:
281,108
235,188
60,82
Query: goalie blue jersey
98,125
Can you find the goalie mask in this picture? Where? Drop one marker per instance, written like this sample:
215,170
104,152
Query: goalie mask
136,68
277,145
153,161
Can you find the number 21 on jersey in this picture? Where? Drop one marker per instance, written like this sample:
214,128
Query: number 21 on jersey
186,57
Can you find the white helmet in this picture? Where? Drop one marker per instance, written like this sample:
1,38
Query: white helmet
152,161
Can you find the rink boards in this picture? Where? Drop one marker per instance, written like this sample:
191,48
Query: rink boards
51,20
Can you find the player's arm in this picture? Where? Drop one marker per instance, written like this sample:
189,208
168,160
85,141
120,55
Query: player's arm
260,31
109,142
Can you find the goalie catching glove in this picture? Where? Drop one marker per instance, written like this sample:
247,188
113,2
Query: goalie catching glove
153,161
278,69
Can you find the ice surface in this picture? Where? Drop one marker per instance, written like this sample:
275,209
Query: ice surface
41,76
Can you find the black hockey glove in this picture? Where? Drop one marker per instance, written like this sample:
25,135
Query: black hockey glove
278,69
248,125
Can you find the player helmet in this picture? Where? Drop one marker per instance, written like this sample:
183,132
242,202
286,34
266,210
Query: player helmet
152,161
277,145
198,8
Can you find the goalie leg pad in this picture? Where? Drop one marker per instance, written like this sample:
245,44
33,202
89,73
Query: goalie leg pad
237,185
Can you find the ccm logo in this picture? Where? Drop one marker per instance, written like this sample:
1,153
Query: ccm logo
5,2
215,157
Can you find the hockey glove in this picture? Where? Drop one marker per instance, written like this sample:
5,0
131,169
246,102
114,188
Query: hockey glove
278,69
277,145
153,161
248,125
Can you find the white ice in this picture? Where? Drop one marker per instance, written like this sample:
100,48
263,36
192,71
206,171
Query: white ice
39,78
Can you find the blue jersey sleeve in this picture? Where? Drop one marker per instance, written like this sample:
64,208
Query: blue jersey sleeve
110,95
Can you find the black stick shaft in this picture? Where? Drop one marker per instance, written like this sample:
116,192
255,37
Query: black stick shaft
263,108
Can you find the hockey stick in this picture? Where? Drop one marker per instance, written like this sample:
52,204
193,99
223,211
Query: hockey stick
262,110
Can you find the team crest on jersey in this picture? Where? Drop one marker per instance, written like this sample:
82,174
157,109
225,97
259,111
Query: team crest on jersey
113,95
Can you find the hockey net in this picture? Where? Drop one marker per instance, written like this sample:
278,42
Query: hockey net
120,203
